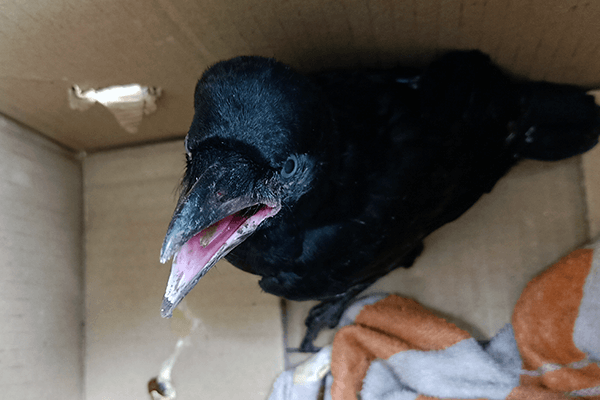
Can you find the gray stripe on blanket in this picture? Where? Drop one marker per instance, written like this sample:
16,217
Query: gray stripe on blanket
464,370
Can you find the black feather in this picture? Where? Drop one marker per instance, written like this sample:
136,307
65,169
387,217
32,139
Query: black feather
364,163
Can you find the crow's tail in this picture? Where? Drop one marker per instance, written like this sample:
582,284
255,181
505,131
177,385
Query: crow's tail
536,120
555,121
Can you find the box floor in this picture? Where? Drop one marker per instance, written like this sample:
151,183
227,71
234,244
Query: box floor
231,333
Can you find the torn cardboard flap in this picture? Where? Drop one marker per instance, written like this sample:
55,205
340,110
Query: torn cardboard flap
128,103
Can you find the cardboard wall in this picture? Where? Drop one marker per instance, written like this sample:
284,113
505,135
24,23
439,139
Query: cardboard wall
230,333
46,47
41,271
591,168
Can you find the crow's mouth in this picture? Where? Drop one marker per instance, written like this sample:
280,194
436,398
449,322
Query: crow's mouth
250,211
200,253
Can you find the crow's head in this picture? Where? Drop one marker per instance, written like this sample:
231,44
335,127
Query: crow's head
253,147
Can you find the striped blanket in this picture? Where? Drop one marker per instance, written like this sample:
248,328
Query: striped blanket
392,348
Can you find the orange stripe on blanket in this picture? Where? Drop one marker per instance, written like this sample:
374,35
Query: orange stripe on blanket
407,319
382,329
544,319
564,380
520,393
534,393
423,397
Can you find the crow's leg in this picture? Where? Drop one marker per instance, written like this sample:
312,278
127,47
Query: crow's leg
327,314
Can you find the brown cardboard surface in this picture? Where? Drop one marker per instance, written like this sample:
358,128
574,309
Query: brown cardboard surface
47,47
591,170
591,183
475,268
534,215
232,332
41,285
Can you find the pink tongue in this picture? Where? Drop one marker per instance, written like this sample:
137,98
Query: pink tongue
197,252
203,250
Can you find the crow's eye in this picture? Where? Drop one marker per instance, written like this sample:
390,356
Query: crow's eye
290,167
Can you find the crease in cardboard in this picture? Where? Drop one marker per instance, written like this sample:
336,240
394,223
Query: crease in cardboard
128,103
185,323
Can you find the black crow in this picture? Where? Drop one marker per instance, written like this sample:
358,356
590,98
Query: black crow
323,183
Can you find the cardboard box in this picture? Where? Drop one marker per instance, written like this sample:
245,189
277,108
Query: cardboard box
84,205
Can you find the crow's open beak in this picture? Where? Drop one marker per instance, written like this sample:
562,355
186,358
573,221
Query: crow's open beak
217,212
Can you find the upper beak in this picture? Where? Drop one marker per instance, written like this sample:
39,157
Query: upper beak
196,209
